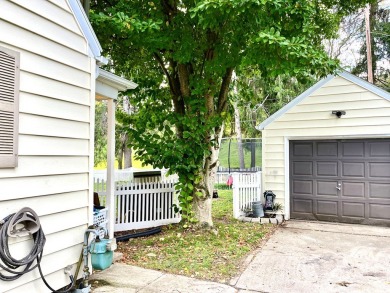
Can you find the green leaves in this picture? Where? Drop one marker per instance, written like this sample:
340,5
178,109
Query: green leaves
182,54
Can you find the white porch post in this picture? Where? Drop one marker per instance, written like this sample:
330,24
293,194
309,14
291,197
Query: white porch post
107,87
110,200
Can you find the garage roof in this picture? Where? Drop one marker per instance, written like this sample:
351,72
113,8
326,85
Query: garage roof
348,76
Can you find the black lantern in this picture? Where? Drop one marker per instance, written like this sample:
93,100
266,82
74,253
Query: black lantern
269,200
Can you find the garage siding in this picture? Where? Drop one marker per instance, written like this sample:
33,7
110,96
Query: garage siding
367,115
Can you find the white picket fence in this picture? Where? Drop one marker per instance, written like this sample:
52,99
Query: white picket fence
142,204
221,177
246,189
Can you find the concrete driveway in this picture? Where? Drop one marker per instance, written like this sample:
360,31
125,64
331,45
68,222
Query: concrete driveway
320,257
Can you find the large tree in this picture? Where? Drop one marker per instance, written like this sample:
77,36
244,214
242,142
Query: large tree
260,96
190,48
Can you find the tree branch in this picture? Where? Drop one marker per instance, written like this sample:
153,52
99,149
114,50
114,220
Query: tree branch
162,65
173,85
223,93
184,80
169,8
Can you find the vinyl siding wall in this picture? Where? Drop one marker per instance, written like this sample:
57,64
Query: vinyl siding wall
52,176
367,115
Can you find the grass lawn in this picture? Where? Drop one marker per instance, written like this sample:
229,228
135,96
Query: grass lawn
234,157
197,253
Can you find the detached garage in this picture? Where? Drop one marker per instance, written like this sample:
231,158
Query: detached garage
326,154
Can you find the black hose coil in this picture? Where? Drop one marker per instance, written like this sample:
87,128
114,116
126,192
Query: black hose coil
12,265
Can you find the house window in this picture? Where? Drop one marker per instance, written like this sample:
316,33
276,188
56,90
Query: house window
9,107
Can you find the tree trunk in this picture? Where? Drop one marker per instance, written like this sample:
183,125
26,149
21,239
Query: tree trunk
127,157
253,154
120,159
239,135
202,209
127,163
202,206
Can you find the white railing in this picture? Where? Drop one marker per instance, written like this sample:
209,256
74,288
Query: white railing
145,205
140,205
246,189
120,175
127,175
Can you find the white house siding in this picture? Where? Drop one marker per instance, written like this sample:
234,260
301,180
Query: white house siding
367,115
54,134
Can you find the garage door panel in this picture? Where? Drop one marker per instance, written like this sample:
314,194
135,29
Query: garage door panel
353,189
352,169
341,180
327,208
302,187
328,149
326,188
379,190
379,149
379,211
327,169
353,149
379,170
303,149
353,209
303,206
303,168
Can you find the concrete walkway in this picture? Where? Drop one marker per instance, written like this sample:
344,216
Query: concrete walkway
127,279
300,257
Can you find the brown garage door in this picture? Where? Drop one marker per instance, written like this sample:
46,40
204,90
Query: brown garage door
341,180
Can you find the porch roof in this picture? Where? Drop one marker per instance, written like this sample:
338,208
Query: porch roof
108,85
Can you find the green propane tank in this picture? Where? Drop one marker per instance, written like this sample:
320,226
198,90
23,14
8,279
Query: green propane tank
101,258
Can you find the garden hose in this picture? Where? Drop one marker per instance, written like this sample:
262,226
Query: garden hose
18,267
139,234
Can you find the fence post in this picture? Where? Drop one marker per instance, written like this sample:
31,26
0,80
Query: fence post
258,180
236,195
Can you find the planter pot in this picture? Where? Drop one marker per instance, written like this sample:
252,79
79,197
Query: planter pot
257,209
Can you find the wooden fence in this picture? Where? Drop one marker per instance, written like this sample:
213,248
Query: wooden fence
141,205
246,189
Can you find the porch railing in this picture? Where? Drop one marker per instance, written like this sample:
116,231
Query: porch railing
141,205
